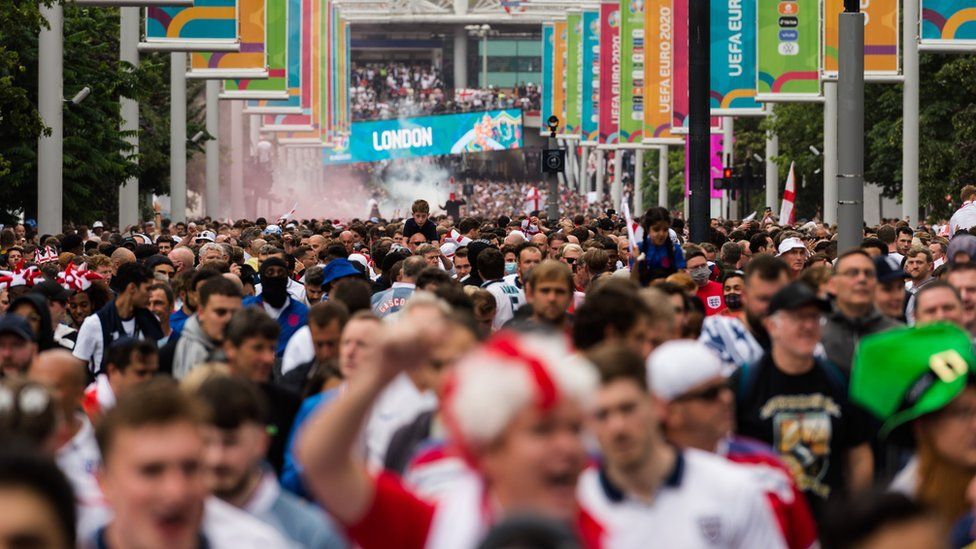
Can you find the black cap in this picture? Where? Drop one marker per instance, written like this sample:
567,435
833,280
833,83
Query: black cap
17,325
794,296
888,268
52,291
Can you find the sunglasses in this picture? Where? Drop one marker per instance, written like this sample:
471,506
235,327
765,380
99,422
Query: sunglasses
709,394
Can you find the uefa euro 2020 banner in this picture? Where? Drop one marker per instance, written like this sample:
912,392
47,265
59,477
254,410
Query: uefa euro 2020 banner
609,72
249,62
559,73
574,76
948,25
631,124
591,75
548,37
733,58
437,135
789,50
275,38
208,25
882,31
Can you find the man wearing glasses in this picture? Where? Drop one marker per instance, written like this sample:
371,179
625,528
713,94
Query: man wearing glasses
854,316
699,412
798,403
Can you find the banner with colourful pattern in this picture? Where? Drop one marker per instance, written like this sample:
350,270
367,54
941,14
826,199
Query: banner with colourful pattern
250,62
559,73
609,72
789,50
548,52
574,67
658,72
948,24
631,125
276,54
591,76
733,59
293,76
882,37
209,25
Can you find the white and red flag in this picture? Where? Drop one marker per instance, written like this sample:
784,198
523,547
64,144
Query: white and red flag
787,213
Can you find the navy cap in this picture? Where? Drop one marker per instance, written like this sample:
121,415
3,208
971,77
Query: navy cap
888,268
795,296
17,325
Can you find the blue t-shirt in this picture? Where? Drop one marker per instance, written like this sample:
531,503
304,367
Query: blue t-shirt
291,473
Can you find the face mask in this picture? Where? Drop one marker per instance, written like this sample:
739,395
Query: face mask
510,268
733,301
700,275
274,290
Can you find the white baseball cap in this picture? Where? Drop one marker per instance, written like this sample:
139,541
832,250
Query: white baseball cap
206,235
98,225
678,366
790,243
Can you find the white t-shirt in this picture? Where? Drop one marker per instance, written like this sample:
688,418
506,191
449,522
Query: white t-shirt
506,301
400,403
79,460
89,345
706,503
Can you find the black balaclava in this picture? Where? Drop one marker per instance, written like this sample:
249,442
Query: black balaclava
274,290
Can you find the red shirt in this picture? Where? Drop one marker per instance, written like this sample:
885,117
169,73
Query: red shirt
712,297
398,518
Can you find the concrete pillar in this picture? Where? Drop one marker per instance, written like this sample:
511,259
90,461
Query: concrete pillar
50,106
772,170
584,181
638,208
177,136
663,174
460,52
237,160
830,153
617,189
601,172
129,110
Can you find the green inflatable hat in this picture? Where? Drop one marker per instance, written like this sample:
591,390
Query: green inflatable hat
902,374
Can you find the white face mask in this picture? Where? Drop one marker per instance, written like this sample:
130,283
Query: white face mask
510,268
700,275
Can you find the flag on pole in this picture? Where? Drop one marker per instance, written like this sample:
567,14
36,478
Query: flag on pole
786,213
532,200
289,213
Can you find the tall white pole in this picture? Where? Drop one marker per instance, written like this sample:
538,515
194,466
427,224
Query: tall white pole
772,170
617,188
484,61
638,208
909,159
237,160
129,109
662,177
177,136
601,172
584,179
460,55
830,152
213,149
50,99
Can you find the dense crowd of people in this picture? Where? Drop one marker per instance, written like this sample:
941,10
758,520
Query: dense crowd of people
490,378
392,90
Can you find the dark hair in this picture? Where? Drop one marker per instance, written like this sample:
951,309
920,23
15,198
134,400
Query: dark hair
467,224
232,401
849,524
731,253
932,286
758,240
248,323
202,274
616,304
170,297
616,361
906,230
887,234
158,401
217,286
654,215
353,292
314,275
877,243
491,264
23,468
413,266
120,352
131,273
433,275
766,267
324,313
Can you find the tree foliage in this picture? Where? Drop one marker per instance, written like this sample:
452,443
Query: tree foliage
97,159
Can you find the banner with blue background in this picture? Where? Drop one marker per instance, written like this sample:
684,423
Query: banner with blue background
438,135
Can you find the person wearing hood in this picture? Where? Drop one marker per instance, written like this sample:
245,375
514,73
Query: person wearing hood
290,313
33,308
203,332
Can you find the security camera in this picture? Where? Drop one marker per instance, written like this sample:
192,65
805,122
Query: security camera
81,96
814,150
553,123
197,137
757,157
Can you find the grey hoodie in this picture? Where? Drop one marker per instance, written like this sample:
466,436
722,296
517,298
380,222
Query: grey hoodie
193,348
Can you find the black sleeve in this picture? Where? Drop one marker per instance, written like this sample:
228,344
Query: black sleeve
430,231
409,228
166,355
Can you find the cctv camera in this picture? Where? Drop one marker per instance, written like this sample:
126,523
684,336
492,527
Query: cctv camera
197,137
81,96
553,122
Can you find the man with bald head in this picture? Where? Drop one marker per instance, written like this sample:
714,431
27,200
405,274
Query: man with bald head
347,238
317,242
77,452
182,258
515,239
120,257
541,241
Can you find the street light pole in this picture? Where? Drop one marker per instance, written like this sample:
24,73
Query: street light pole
177,136
50,105
699,24
850,125
484,60
129,109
